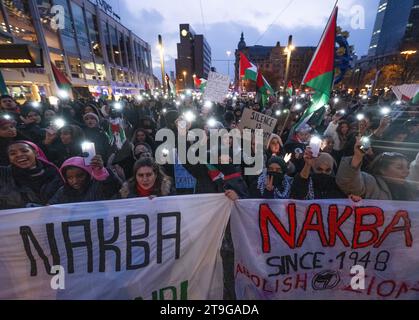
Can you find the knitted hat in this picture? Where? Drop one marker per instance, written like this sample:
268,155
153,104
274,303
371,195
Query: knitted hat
92,115
280,162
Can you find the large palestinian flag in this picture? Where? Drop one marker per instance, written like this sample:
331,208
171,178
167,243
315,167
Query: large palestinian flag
320,73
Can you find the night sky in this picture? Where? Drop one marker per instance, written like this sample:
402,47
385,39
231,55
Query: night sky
222,22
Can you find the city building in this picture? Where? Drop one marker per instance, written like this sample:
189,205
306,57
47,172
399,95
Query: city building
193,57
271,61
411,37
81,40
393,56
390,26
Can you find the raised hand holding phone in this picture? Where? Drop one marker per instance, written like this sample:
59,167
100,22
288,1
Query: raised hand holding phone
89,152
315,144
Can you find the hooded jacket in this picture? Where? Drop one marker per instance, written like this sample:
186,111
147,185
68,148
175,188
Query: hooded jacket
102,185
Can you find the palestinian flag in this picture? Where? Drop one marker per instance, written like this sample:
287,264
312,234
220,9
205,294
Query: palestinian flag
62,82
290,89
407,92
263,88
247,69
200,83
320,73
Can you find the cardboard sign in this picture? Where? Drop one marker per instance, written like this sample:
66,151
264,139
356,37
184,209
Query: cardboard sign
217,87
255,120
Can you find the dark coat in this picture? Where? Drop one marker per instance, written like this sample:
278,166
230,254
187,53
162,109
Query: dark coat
15,194
95,191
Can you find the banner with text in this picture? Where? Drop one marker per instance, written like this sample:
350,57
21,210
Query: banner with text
161,249
330,249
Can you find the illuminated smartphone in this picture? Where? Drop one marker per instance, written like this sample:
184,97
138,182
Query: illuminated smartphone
89,152
315,144
365,144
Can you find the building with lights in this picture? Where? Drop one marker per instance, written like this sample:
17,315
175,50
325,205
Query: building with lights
271,61
82,41
193,57
394,44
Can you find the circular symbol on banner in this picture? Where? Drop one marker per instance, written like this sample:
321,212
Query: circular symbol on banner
326,280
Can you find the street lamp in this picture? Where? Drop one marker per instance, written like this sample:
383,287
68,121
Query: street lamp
184,78
288,50
228,52
161,48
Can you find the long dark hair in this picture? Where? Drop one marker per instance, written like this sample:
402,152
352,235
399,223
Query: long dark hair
384,160
160,176
341,136
76,132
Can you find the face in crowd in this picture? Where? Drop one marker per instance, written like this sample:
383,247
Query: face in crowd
141,151
66,137
90,121
34,116
146,177
76,178
275,170
327,145
275,146
140,136
343,128
49,115
22,156
393,167
8,104
8,130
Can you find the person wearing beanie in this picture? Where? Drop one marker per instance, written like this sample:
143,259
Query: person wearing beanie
273,183
229,120
85,183
317,179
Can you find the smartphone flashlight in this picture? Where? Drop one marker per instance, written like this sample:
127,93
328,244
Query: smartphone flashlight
88,148
315,144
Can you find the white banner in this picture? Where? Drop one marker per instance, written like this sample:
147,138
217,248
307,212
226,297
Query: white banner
304,250
161,249
217,87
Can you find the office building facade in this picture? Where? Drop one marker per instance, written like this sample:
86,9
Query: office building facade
193,57
84,40
390,26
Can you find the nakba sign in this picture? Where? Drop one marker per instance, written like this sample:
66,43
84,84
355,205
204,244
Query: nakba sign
326,250
255,120
217,87
160,249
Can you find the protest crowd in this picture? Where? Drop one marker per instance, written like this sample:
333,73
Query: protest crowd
368,150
